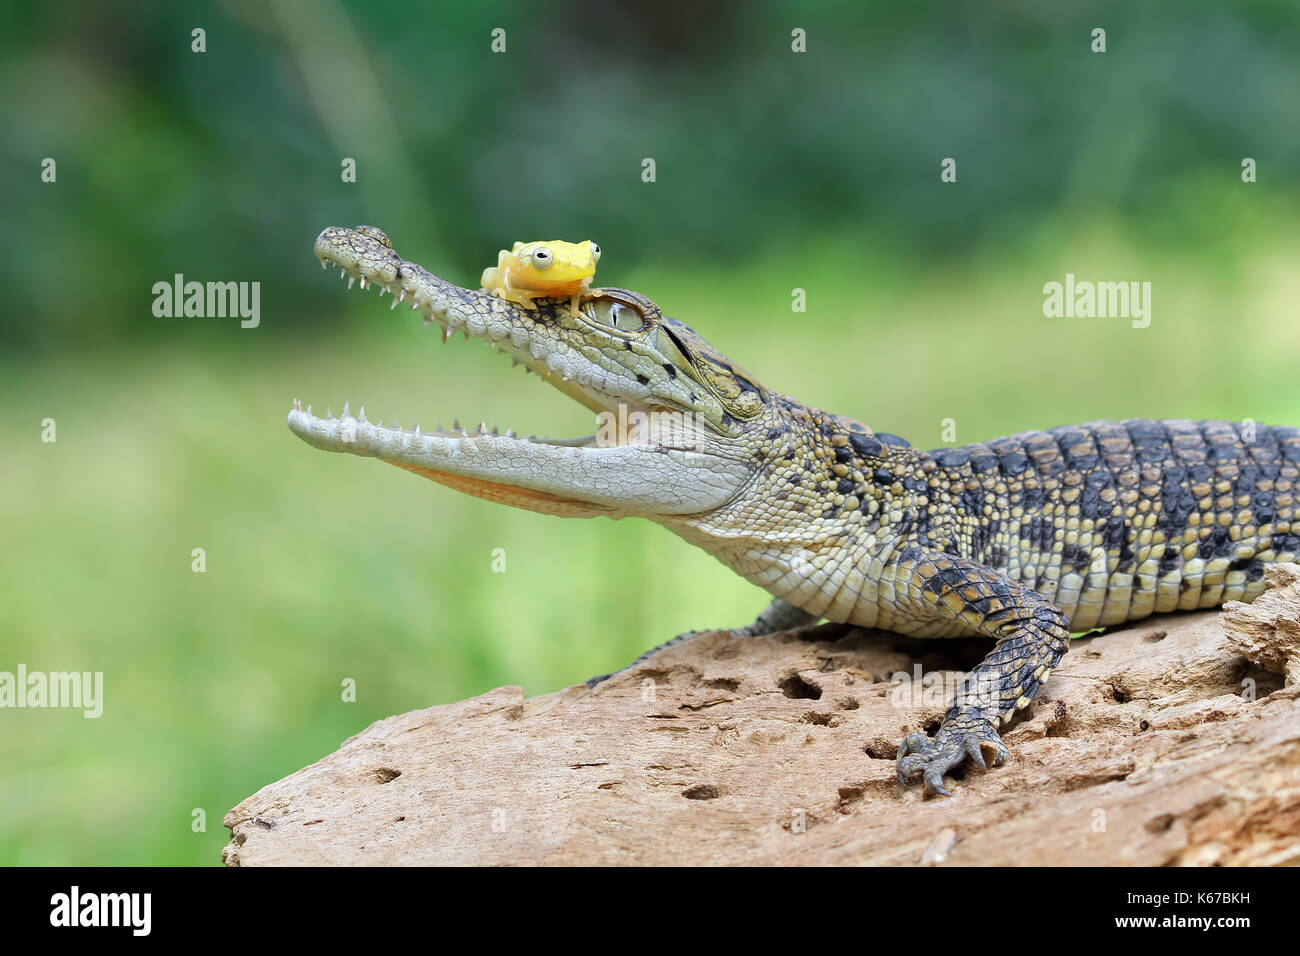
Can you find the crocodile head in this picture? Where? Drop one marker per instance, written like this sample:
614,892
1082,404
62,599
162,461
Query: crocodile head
678,424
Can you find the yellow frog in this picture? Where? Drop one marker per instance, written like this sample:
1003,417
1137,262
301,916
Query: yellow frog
543,270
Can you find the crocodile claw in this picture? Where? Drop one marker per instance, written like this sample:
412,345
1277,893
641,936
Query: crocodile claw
963,737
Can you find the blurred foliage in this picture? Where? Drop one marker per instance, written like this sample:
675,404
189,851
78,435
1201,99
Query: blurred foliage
172,161
774,171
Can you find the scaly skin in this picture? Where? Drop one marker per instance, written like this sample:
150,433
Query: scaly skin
1021,539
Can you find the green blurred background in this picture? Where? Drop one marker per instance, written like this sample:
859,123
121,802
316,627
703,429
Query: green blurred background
775,170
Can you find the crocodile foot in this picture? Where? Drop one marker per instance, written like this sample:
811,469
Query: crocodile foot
961,736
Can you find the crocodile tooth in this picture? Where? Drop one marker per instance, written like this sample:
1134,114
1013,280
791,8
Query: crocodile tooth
323,264
482,428
362,415
402,297
342,273
363,283
346,409
455,425
393,306
351,279
308,409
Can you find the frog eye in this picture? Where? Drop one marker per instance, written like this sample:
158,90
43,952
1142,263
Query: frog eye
595,252
542,258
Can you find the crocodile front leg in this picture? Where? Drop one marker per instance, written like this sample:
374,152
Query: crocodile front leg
1032,636
779,615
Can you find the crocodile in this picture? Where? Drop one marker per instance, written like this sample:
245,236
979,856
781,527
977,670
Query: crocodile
1022,540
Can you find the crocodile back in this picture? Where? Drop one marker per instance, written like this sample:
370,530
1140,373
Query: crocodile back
1117,520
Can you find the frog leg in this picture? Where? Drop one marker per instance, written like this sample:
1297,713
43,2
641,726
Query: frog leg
522,297
495,278
585,289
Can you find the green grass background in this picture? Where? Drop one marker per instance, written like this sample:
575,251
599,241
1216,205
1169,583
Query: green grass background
924,303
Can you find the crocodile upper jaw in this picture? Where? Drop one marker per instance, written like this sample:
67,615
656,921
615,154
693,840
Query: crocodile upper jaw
659,467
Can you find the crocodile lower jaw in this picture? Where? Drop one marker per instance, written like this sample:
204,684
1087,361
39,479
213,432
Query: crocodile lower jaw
448,457
580,479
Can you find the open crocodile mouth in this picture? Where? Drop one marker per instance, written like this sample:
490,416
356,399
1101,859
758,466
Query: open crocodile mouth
579,384
505,467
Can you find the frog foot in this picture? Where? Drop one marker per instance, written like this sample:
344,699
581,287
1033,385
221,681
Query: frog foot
512,295
962,735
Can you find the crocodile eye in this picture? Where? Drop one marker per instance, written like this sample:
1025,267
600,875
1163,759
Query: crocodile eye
616,315
625,319
595,252
542,258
